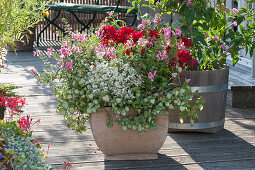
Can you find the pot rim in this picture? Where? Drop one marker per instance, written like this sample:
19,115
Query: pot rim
223,68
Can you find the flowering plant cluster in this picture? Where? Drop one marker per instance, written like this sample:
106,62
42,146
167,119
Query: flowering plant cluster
122,68
26,122
9,101
18,150
214,30
12,104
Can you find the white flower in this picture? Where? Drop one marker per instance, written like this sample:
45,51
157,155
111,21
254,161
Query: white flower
174,74
114,79
179,69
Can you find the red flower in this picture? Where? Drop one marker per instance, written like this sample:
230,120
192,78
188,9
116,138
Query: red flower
25,124
127,52
185,59
123,33
13,104
154,34
142,51
109,34
187,42
136,35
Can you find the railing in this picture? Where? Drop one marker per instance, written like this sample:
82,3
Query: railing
50,33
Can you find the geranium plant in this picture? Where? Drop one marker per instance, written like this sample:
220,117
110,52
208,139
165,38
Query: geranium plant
10,101
214,30
125,69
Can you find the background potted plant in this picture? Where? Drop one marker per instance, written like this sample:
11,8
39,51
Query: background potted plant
208,26
19,21
125,80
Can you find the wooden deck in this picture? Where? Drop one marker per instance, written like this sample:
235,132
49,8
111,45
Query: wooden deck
232,148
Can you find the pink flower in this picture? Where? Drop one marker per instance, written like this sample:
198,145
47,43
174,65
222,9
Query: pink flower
65,51
235,11
167,32
67,165
187,80
235,23
162,56
178,32
49,51
110,53
216,38
223,46
142,25
223,6
36,53
142,42
181,46
33,72
189,3
100,48
152,76
157,20
69,65
74,37
111,13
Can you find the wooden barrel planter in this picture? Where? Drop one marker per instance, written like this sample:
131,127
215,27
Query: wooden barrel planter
212,86
117,144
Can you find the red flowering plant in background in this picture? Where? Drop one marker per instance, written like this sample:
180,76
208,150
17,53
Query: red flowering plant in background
13,104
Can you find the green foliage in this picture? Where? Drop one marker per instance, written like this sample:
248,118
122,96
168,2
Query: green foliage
7,89
203,21
18,149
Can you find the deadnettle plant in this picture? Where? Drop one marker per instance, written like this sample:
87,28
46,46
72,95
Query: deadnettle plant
123,68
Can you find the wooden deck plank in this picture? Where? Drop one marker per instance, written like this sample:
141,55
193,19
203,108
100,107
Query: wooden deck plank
235,164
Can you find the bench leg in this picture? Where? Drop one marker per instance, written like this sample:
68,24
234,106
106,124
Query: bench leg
134,20
85,26
51,22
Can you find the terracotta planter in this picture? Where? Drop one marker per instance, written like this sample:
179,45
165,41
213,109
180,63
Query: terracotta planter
25,44
212,86
117,144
